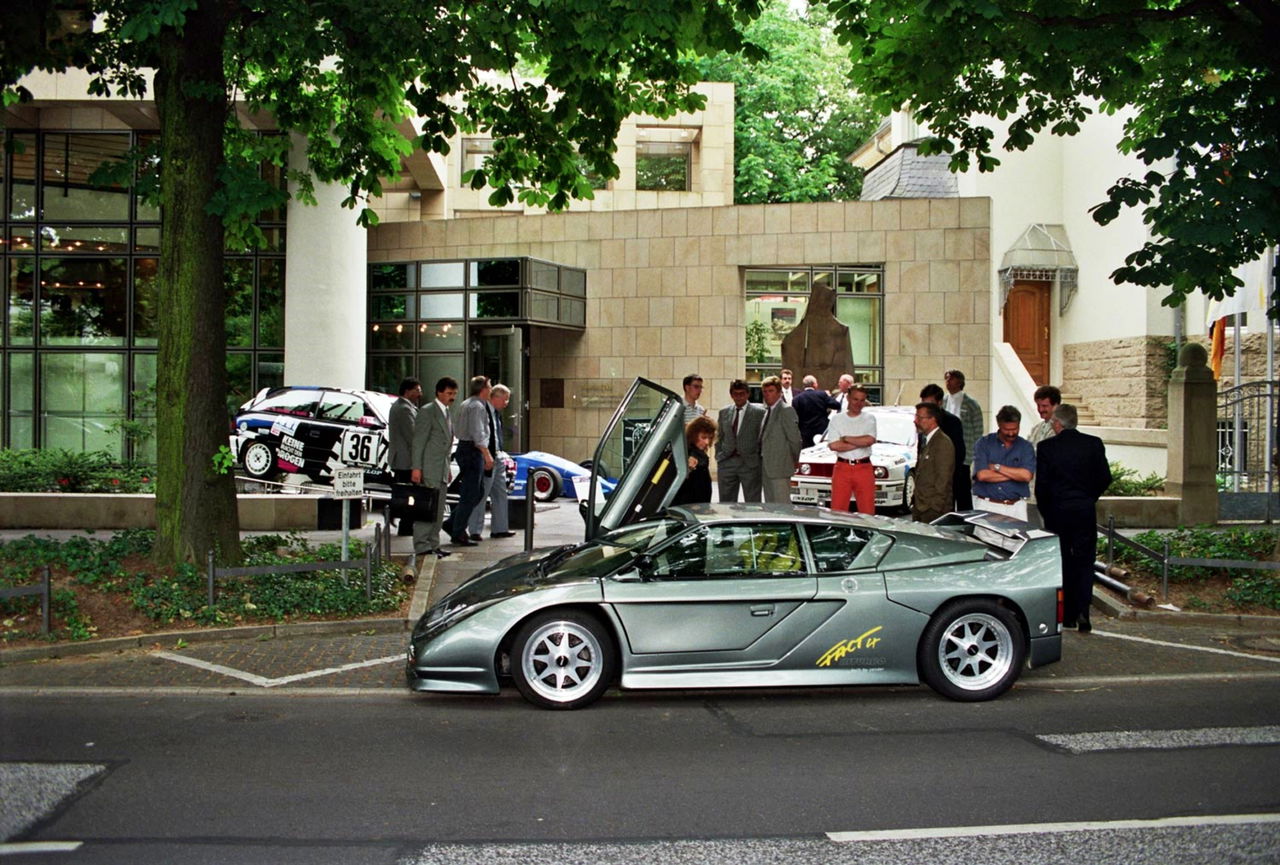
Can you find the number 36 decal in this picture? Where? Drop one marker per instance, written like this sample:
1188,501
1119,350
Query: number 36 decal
359,448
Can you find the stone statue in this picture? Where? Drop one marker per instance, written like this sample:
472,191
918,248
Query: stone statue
819,345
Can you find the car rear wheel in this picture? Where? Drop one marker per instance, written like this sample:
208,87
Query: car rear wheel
562,660
259,460
909,491
546,483
972,650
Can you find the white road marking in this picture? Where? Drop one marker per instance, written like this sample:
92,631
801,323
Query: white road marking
1209,649
1044,828
263,681
23,848
1126,740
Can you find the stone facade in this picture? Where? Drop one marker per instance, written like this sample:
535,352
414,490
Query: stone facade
1124,382
666,295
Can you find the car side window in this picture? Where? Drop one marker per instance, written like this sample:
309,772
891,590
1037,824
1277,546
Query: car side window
300,403
685,559
341,407
771,549
836,547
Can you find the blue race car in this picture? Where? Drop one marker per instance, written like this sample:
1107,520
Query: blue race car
551,476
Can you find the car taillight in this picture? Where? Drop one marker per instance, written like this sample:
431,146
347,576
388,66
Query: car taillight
1059,609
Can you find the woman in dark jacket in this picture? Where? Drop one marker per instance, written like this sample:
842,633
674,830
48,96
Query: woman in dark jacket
698,436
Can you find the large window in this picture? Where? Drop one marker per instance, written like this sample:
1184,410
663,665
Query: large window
79,277
665,158
778,300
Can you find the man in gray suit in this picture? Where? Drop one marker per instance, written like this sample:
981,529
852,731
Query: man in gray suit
779,443
738,446
400,431
432,441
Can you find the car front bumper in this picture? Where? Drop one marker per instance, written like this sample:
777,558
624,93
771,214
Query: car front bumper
817,491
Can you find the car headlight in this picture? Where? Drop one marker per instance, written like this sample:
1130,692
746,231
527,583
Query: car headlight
881,472
805,468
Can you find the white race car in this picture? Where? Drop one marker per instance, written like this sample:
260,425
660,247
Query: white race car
892,457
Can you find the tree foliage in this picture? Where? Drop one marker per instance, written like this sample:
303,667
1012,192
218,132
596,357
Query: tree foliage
796,118
364,83
1197,80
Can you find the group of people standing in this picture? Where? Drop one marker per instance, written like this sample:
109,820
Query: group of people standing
959,465
422,453
1068,468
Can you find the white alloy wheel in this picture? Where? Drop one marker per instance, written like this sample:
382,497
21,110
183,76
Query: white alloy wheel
562,660
972,650
259,459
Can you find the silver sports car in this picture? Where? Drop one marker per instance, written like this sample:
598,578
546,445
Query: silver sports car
739,595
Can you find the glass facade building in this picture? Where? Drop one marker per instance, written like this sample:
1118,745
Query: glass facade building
80,255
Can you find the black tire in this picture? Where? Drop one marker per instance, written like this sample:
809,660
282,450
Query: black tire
908,492
545,483
259,460
972,650
562,660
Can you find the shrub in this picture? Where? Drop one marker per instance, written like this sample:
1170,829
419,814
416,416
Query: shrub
1127,482
180,594
40,470
1238,543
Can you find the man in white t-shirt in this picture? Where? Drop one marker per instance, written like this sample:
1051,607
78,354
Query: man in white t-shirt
851,436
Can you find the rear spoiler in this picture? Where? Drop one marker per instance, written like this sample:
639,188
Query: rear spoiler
995,530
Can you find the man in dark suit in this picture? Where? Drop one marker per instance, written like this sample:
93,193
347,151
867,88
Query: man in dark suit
738,446
779,443
813,407
1071,473
400,434
935,466
954,430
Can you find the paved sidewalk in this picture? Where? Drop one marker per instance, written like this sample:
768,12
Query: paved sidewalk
369,654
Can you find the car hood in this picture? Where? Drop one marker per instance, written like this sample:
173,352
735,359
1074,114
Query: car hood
885,454
512,576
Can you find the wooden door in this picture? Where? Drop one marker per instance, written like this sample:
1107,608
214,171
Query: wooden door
1026,326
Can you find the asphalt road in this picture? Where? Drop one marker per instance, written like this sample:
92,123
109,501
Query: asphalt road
314,776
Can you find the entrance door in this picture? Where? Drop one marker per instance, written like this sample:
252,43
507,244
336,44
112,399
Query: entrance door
1026,327
498,352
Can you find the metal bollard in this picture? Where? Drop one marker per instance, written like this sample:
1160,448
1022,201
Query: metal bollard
529,504
1164,576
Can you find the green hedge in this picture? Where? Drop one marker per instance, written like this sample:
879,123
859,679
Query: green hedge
44,470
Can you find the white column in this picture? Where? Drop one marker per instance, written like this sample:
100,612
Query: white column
324,284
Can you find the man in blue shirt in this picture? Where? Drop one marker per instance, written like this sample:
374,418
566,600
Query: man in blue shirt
1003,465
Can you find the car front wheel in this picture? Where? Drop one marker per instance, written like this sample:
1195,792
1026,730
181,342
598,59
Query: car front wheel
259,460
972,650
562,660
546,483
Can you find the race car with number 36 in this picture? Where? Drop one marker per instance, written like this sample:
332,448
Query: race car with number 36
312,431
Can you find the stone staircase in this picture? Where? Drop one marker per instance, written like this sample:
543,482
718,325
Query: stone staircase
1085,415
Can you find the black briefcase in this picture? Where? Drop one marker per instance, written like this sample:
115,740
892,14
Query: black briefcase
413,502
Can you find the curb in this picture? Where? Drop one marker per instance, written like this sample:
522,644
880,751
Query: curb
1115,608
205,635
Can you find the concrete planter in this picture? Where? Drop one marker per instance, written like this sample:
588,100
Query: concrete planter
258,512
1140,512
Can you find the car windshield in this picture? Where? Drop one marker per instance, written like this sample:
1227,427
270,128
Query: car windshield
896,428
619,547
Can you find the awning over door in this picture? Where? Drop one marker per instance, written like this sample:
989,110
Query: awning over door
1041,254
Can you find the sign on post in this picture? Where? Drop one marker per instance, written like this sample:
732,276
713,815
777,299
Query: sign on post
348,483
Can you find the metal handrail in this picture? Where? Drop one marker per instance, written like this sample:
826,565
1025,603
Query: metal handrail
371,560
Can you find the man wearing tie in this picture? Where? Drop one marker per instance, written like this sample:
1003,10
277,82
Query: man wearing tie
738,446
496,486
432,440
779,443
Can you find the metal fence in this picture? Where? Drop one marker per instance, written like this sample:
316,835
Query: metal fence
1247,441
43,589
1166,561
371,560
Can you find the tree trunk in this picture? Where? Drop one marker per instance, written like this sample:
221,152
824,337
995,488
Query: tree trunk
195,504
